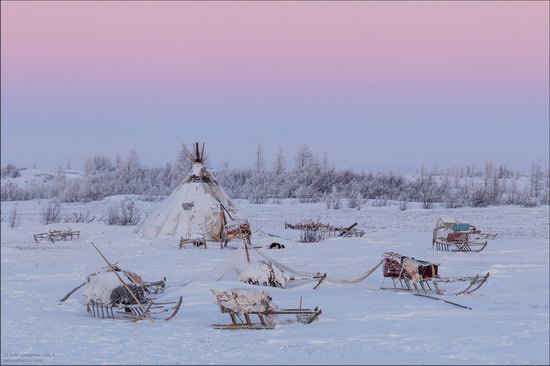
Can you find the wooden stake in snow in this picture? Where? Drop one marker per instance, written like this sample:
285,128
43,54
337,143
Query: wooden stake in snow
246,241
72,292
145,311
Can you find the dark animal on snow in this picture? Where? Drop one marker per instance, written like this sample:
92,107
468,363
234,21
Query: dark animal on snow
276,246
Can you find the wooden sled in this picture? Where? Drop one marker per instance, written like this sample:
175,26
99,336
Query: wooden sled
306,316
462,237
196,242
424,279
236,231
57,235
330,230
134,312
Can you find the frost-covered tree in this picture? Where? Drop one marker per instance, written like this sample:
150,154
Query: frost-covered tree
536,179
98,164
258,191
259,159
304,159
181,167
279,165
10,171
333,199
354,196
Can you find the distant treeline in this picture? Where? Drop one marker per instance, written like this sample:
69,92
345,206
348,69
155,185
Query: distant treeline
309,179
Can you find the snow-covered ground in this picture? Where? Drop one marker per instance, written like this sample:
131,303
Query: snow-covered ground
360,324
29,176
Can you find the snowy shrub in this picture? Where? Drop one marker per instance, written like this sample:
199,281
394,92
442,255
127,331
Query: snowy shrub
10,192
428,197
427,204
152,198
111,217
403,204
10,171
354,200
51,213
257,199
14,217
277,200
380,202
307,194
526,199
79,217
311,235
258,188
333,199
480,197
125,214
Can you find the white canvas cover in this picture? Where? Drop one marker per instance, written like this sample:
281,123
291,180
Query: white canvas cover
263,273
244,301
446,222
99,287
192,211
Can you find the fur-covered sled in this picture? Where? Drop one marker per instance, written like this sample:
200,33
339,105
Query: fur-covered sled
409,274
237,302
452,236
113,293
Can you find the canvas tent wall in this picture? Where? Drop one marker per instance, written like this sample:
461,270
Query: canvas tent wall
196,209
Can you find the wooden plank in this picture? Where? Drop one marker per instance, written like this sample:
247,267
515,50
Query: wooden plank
448,302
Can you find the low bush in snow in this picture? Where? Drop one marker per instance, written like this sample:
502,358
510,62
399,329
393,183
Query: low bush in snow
311,235
14,217
51,213
124,214
79,217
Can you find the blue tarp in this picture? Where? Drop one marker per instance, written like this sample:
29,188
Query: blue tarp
459,226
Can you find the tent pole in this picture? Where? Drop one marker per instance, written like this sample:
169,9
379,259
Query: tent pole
246,240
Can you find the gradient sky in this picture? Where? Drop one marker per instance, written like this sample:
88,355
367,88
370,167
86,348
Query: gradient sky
375,85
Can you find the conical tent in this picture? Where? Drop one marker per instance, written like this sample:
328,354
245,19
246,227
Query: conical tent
197,209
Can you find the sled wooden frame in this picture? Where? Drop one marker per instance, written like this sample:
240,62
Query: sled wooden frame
57,235
134,312
459,246
238,323
155,288
326,228
431,285
241,231
469,245
196,242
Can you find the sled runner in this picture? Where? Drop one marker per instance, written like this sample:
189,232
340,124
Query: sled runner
134,312
452,236
409,274
57,235
237,302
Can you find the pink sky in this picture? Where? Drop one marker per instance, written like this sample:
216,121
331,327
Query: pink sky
215,49
403,76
